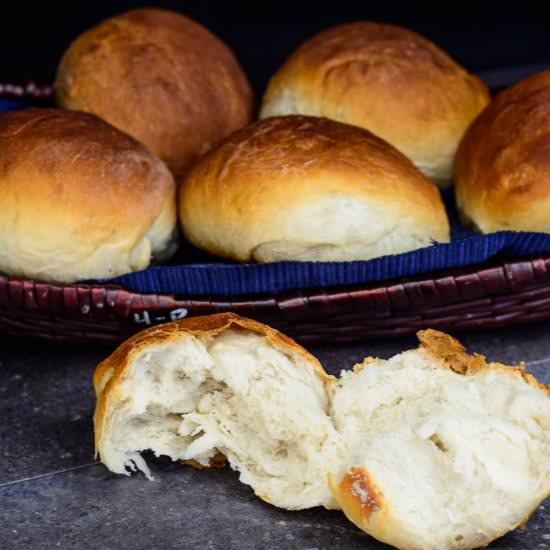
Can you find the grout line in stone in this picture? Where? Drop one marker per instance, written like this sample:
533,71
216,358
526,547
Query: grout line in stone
47,474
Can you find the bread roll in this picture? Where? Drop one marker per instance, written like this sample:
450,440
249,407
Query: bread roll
445,451
160,77
503,163
387,79
308,188
79,199
431,449
194,388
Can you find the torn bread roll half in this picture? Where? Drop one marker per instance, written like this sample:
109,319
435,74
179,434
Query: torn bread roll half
221,384
445,450
307,188
431,449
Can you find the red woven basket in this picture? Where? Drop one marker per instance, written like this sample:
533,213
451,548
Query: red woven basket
480,297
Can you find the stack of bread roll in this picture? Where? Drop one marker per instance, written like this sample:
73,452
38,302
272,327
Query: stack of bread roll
357,129
431,449
89,191
296,186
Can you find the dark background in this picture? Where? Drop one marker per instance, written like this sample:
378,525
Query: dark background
262,34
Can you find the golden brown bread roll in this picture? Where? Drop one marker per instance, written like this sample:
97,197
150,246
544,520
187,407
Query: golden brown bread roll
387,79
308,188
79,199
160,77
503,162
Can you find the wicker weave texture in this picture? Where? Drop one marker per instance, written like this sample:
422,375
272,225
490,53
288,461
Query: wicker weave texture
514,292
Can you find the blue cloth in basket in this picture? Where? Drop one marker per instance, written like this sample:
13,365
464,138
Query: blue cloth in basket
228,279
11,105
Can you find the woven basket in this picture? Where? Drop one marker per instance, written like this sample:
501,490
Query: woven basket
482,297
490,297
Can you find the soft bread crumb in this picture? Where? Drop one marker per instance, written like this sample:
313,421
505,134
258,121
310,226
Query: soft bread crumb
261,407
458,449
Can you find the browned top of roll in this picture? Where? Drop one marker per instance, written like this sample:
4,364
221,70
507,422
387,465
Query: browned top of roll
161,77
283,179
503,162
106,167
387,79
78,198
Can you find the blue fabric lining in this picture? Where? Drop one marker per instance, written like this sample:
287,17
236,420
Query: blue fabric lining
219,279
11,105
226,279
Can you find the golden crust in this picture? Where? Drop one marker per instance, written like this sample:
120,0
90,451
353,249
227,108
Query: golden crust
450,354
503,162
162,78
260,182
362,496
217,462
94,191
359,498
110,372
387,79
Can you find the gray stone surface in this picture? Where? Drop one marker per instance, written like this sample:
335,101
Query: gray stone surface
46,405
53,496
89,508
183,508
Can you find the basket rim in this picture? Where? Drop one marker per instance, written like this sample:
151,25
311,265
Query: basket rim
433,277
481,297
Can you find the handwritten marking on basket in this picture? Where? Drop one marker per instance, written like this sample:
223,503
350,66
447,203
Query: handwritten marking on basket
144,318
